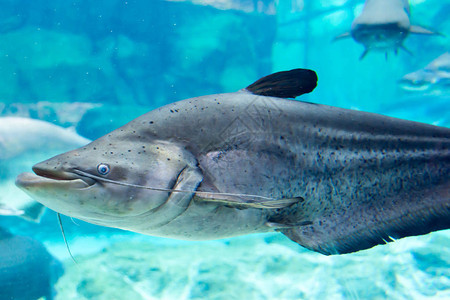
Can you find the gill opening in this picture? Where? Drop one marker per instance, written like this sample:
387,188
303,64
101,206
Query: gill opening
64,237
198,193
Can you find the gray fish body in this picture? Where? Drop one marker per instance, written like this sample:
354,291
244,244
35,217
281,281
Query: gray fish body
283,148
360,178
27,270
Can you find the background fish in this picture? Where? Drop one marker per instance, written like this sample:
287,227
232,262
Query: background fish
383,25
20,135
433,78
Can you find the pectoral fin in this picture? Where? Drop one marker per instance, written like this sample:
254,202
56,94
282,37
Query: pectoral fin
421,30
246,201
33,212
179,199
342,36
281,226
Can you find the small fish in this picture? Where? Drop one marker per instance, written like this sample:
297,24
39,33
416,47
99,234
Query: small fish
333,180
433,78
383,25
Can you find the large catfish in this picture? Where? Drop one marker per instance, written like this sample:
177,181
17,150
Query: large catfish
331,179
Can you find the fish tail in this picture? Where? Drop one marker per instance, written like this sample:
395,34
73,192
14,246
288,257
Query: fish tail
369,225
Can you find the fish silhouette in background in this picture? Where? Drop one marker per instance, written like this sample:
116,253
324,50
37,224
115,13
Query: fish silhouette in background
383,25
331,179
434,78
248,6
23,135
27,269
23,142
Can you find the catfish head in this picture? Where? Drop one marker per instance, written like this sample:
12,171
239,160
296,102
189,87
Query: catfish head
380,36
107,181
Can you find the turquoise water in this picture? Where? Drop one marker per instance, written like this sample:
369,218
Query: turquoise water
92,66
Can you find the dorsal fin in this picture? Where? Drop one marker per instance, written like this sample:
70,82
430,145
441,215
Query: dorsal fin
421,30
342,36
286,84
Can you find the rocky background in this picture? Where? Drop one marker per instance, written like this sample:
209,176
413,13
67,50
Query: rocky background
124,56
259,267
106,62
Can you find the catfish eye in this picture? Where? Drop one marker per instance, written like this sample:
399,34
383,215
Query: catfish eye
103,169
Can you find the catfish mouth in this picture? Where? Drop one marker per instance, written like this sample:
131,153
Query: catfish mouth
61,177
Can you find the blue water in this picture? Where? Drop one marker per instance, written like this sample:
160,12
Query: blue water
95,65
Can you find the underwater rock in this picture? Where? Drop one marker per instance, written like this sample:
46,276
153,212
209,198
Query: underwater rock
102,119
47,65
27,270
240,58
65,114
12,17
128,52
